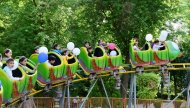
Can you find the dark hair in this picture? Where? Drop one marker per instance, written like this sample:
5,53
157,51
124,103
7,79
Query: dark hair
99,41
37,47
86,42
156,41
51,58
55,45
6,51
10,60
21,59
65,51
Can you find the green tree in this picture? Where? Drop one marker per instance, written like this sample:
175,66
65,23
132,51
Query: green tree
147,85
34,23
26,24
119,20
179,27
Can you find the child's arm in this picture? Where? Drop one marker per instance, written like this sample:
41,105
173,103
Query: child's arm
160,46
28,70
9,73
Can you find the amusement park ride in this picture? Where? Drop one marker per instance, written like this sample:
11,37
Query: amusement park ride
65,71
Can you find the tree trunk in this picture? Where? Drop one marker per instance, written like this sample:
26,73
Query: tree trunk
124,80
34,3
162,90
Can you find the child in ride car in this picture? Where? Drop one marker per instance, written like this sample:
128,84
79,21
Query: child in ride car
7,54
8,69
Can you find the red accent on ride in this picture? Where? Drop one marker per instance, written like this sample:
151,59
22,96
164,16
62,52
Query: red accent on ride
69,73
15,92
95,67
52,76
110,64
139,61
30,86
158,60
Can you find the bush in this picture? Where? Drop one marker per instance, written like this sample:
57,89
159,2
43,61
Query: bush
147,85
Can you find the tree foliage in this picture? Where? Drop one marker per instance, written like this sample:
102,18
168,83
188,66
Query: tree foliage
26,24
147,85
179,32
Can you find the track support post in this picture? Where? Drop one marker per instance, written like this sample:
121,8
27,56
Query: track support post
132,93
116,75
27,102
58,97
188,96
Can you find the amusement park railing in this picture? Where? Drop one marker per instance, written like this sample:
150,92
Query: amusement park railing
44,102
101,102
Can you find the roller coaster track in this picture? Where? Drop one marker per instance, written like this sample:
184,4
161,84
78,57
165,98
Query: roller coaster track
125,69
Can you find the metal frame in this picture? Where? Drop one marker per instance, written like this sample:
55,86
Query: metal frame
173,66
132,95
90,90
25,99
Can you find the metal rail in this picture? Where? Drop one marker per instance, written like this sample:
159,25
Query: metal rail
154,68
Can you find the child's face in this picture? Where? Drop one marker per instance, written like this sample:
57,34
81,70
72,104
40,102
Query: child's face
58,47
101,42
10,64
104,44
52,61
87,45
67,53
9,54
90,50
37,51
24,62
